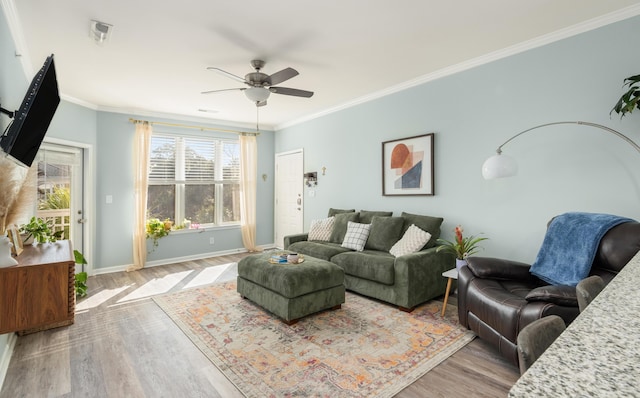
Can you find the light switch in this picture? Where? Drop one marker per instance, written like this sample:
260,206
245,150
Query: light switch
109,199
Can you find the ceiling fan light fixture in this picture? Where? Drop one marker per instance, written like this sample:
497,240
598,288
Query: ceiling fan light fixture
257,94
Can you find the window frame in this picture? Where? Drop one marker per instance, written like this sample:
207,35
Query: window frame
180,180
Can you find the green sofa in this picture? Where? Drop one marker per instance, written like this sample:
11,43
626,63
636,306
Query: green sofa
406,281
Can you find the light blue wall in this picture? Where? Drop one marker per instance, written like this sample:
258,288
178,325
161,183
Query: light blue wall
472,113
75,123
12,86
70,122
115,178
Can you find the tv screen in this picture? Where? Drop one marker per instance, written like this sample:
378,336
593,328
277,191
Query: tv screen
31,121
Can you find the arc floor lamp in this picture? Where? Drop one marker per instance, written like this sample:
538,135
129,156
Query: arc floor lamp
499,165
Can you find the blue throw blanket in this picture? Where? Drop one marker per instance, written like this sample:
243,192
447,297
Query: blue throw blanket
570,245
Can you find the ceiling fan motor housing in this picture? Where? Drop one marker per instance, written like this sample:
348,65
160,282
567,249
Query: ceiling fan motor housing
257,79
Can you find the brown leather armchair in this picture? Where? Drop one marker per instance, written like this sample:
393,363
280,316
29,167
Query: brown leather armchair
498,298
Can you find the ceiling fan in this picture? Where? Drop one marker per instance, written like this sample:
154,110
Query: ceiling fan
262,85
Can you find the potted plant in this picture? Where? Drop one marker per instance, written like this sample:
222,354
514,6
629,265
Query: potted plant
630,99
40,230
157,229
462,247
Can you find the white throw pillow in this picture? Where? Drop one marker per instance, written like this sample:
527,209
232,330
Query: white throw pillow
413,240
321,229
356,236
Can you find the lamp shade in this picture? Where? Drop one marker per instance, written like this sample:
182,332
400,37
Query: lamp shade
499,166
257,94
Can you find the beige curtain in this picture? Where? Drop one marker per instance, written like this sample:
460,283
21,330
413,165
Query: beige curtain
248,185
141,174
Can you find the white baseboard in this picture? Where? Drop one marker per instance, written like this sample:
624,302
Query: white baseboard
156,263
6,356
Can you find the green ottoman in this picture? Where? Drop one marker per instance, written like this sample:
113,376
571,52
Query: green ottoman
291,291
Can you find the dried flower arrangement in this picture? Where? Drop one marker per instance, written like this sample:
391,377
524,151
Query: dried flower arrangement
17,193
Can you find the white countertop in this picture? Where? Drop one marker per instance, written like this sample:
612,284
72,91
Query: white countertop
599,353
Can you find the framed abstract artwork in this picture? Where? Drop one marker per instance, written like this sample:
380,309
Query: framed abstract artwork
407,166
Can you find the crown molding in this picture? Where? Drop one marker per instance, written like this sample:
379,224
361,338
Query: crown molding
15,28
80,102
184,118
592,24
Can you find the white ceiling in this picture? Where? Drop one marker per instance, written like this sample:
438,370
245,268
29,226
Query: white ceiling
346,51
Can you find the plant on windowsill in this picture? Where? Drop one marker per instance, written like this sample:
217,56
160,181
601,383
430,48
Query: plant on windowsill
157,229
630,99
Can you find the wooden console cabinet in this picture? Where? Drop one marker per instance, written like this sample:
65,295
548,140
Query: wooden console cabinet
39,292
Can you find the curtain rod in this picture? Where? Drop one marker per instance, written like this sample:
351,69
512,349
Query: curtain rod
187,126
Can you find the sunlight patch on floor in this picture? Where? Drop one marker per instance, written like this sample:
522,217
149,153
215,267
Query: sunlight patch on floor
212,274
156,286
99,298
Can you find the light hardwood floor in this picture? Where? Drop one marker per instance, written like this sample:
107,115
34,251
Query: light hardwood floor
123,345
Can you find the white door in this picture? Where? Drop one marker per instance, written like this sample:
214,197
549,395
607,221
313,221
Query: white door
289,195
60,192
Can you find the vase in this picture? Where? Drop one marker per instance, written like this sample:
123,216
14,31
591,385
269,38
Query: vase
460,264
6,260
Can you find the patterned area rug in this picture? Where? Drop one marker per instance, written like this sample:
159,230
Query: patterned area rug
364,349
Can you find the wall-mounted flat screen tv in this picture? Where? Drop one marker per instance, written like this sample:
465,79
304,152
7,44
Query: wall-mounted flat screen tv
30,123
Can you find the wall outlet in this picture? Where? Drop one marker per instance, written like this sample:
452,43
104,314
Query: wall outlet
212,240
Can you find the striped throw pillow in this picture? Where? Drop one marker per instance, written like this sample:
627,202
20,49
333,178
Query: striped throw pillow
320,230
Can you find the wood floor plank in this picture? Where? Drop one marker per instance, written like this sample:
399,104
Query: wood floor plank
123,345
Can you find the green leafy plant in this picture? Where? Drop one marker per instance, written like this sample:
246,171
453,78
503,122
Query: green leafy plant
630,99
40,230
461,247
81,277
157,229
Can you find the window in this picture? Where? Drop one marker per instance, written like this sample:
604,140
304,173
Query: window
194,178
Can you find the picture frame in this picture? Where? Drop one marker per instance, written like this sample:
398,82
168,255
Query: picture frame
407,166
16,240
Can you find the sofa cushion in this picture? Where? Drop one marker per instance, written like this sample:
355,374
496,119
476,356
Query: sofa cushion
333,212
412,241
321,250
321,229
356,236
340,226
385,232
371,265
425,223
366,216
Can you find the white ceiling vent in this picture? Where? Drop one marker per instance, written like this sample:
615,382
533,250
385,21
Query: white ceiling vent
100,31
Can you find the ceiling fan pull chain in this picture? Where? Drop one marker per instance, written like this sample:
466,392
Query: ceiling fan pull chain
257,118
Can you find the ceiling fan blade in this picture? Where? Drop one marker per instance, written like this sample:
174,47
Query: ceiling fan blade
226,89
283,75
291,91
227,74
